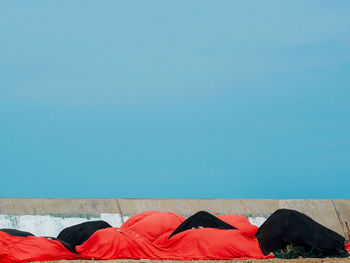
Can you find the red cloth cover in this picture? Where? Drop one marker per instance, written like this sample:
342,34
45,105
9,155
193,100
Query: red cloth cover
25,249
145,236
347,246
153,224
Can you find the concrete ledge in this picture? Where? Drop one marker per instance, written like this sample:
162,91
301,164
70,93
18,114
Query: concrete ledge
334,214
187,207
50,206
322,211
343,211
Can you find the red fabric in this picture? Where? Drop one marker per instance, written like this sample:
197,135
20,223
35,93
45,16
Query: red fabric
153,224
25,249
347,246
240,222
145,236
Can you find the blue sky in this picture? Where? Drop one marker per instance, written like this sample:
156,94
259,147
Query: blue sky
175,99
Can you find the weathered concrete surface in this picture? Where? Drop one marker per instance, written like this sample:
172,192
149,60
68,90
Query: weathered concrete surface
187,207
322,211
45,206
343,211
334,214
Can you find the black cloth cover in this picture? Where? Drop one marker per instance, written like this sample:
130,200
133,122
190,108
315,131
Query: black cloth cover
288,227
78,234
201,219
15,232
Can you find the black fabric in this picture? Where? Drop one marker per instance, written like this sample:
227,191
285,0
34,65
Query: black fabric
78,234
15,232
201,219
291,228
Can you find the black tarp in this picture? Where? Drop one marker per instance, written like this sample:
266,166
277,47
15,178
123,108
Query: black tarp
78,234
201,219
15,232
287,227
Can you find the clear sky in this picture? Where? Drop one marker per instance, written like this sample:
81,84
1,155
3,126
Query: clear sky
175,99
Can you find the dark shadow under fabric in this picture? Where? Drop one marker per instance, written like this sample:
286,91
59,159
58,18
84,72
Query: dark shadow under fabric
291,228
78,234
201,219
15,232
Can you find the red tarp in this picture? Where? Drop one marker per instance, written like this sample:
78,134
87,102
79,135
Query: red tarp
347,246
25,249
145,236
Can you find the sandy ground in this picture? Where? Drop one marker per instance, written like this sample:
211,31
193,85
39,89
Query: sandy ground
274,260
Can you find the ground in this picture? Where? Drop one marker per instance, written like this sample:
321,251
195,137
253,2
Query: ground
274,260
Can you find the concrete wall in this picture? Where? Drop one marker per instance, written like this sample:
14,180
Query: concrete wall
322,211
56,206
342,208
335,214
